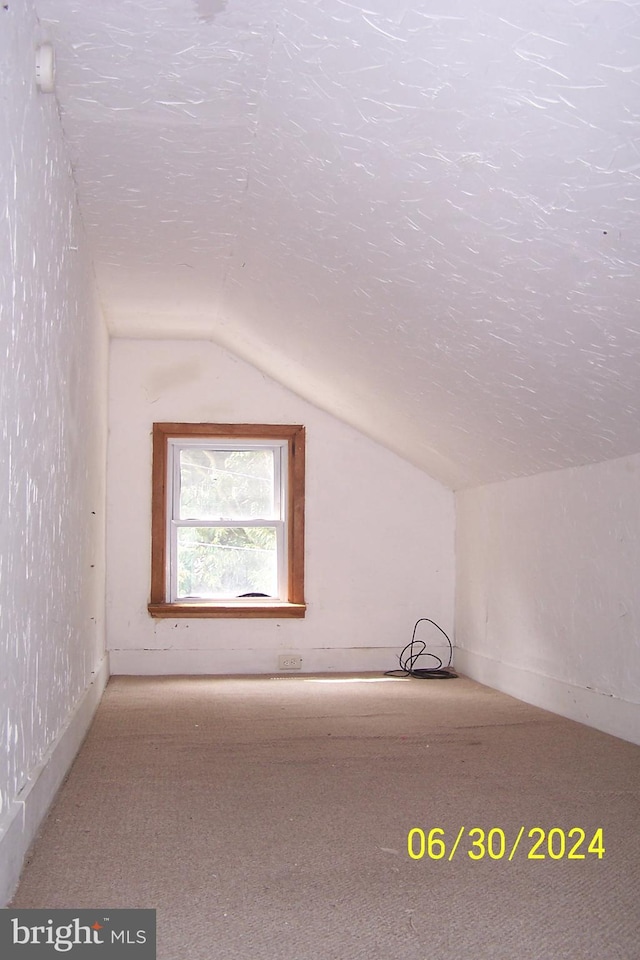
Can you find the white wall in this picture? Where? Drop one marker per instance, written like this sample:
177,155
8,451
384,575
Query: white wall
548,604
379,532
53,354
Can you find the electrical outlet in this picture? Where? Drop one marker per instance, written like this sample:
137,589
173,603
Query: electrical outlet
287,661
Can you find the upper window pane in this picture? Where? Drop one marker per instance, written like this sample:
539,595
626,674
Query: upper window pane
227,484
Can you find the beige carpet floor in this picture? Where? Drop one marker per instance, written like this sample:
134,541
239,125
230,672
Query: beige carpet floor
267,819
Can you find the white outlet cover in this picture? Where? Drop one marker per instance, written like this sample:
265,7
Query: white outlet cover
45,68
289,661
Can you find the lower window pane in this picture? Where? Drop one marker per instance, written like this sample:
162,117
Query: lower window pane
222,563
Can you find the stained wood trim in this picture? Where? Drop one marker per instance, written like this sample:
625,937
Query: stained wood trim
296,511
159,515
204,610
295,436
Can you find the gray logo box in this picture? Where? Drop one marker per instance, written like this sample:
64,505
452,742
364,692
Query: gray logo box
100,934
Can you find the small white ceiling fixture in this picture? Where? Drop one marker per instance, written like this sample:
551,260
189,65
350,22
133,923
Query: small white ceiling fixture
45,68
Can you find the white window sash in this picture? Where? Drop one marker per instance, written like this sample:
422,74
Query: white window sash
174,523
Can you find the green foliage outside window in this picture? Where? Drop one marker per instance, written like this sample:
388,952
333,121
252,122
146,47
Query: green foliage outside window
227,561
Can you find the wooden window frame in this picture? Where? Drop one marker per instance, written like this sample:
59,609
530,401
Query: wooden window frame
294,606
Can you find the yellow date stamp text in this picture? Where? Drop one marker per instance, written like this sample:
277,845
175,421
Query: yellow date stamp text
533,844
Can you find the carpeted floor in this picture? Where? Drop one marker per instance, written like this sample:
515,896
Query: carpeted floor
267,819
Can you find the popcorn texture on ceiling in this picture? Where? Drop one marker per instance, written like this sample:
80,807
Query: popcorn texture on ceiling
421,215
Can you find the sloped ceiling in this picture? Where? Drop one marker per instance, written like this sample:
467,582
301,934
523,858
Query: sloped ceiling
421,215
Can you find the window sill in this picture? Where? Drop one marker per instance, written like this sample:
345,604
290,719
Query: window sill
204,610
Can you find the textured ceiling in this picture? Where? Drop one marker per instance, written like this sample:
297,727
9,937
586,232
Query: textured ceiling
419,214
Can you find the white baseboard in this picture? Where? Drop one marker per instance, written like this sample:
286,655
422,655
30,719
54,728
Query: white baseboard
19,825
621,718
224,662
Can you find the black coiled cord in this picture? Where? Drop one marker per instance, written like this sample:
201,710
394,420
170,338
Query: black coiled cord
416,649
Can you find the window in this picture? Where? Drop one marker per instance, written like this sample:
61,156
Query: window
227,536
